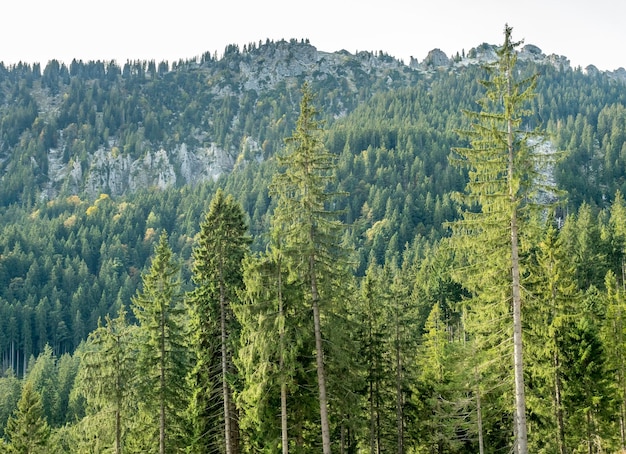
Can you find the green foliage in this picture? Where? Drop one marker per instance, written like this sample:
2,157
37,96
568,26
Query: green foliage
504,177
107,380
217,273
27,429
70,257
10,391
310,243
162,350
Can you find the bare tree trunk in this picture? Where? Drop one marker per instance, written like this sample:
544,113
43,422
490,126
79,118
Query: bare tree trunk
321,376
520,397
558,404
479,415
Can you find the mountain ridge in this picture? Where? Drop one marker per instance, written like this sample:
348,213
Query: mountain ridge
98,127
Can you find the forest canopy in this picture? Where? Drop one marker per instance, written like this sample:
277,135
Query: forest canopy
340,285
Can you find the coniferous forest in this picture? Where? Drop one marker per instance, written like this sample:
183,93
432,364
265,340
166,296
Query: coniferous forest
390,259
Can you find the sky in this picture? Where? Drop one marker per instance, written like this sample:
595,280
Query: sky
36,31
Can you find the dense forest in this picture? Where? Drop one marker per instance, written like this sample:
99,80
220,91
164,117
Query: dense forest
386,259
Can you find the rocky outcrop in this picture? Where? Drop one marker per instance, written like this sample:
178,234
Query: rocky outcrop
115,174
619,75
436,58
486,53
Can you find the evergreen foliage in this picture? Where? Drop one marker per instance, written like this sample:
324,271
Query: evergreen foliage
218,276
352,215
27,429
162,350
106,379
311,242
503,181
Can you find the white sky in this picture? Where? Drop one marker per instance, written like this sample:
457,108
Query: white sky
586,32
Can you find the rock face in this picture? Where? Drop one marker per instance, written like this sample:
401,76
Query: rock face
486,53
436,58
116,174
619,74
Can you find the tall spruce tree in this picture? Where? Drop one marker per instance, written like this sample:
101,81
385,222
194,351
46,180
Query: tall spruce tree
273,372
311,231
373,331
503,177
218,277
162,361
107,373
552,310
614,343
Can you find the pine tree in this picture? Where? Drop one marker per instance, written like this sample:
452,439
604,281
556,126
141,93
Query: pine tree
162,360
27,429
217,274
503,177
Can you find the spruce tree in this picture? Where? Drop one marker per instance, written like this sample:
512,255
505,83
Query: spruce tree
503,178
552,309
311,232
218,277
373,331
107,374
273,356
27,429
614,342
162,360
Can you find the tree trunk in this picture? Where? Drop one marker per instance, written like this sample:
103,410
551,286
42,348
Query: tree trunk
479,416
118,432
559,405
162,387
319,351
372,419
622,378
225,387
399,422
520,397
283,381
589,432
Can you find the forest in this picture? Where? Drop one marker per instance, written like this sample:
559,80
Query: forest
435,264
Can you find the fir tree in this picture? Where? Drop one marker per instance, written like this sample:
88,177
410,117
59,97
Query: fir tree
552,309
107,375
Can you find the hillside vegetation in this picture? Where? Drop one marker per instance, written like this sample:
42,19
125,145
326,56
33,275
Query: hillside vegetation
122,183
